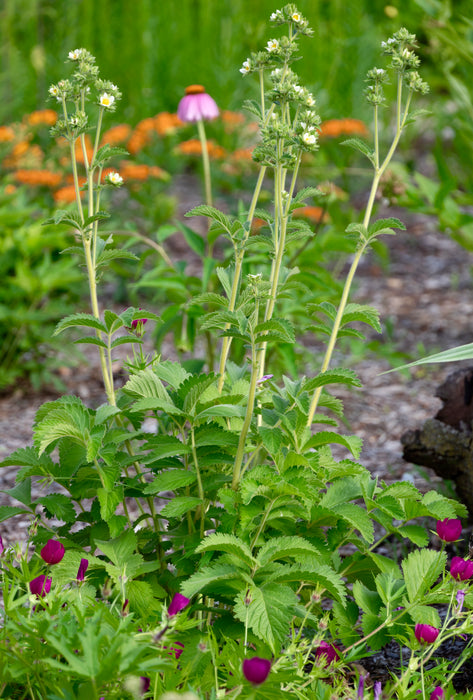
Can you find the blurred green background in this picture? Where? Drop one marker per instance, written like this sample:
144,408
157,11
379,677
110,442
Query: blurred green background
152,49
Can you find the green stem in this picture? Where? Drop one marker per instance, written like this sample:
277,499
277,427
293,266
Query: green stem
248,416
281,244
200,488
236,277
205,162
351,274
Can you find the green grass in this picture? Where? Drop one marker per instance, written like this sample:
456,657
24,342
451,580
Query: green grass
152,50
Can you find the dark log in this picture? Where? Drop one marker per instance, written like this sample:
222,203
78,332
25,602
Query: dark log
445,443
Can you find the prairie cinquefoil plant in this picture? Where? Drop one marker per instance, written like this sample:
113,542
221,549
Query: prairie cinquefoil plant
198,536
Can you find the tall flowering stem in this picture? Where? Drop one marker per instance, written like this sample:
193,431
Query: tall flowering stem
403,61
73,127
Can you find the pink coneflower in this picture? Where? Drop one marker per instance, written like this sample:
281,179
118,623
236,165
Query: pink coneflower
197,105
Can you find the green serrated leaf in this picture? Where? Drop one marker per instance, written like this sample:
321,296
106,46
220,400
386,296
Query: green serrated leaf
85,320
170,480
231,544
269,612
332,376
362,147
358,518
421,569
209,577
59,506
146,384
7,512
282,547
179,506
351,442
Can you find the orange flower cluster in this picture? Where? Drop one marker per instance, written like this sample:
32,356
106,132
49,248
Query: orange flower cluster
23,155
166,123
343,127
48,117
232,120
116,135
162,124
243,154
66,194
45,178
313,214
193,147
132,171
6,134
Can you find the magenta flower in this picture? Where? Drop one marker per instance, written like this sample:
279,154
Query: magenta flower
84,563
377,690
178,603
197,105
329,652
256,670
145,684
461,569
52,552
426,634
40,585
449,530
437,693
176,649
2,548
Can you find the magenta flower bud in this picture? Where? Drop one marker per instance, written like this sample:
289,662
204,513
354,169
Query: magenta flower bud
141,321
40,585
178,603
256,670
2,548
196,105
328,652
449,530
437,693
426,634
125,608
377,691
52,552
461,569
84,563
145,684
361,687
